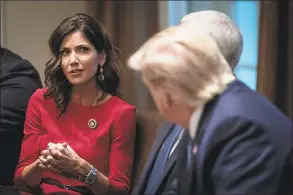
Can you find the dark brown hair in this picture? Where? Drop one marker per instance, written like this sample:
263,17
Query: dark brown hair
58,87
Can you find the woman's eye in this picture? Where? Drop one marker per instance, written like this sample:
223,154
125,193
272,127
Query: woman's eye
64,52
83,49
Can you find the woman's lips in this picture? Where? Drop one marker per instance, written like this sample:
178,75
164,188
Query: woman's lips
75,72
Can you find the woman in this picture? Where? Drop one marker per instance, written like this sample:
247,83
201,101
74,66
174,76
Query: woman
237,141
79,135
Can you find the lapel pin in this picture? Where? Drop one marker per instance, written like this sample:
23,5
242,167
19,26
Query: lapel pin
194,150
92,124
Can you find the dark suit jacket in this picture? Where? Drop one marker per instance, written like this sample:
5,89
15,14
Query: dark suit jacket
163,132
245,148
18,80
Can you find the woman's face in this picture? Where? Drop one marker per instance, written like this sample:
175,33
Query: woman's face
79,59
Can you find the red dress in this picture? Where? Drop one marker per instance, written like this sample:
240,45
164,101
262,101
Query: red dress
109,147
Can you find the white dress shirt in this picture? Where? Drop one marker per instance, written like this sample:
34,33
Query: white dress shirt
193,125
194,120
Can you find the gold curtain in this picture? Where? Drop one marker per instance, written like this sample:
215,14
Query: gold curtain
130,24
275,63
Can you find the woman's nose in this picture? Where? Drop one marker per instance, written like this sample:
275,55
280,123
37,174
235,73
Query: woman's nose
73,59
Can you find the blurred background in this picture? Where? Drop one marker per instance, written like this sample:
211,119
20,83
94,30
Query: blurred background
266,64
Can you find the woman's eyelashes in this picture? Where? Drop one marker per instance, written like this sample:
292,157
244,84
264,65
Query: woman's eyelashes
79,49
82,49
64,52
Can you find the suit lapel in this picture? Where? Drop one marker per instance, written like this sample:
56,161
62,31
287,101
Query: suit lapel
163,132
170,164
172,160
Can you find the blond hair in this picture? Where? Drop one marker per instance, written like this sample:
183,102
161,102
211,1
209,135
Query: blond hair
185,61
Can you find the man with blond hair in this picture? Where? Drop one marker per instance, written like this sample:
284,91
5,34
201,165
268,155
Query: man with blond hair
162,158
235,140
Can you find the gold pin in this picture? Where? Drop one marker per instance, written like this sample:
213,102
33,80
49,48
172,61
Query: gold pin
92,123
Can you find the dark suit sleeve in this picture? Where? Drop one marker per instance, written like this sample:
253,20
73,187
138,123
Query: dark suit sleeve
16,89
248,163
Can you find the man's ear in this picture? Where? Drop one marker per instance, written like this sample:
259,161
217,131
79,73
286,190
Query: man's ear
167,100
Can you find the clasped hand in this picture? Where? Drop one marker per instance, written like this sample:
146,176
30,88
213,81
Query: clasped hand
60,158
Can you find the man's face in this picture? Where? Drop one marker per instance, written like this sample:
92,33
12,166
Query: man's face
172,111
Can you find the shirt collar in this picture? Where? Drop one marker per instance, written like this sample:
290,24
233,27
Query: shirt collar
194,120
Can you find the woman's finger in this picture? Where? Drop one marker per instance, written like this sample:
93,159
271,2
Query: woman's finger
52,161
61,148
54,151
50,144
70,149
51,167
48,163
42,166
64,144
45,153
43,160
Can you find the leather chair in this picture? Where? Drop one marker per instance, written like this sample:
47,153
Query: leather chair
146,130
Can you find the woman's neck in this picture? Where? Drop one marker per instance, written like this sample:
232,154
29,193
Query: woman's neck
86,94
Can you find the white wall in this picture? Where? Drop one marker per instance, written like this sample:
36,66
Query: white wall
27,26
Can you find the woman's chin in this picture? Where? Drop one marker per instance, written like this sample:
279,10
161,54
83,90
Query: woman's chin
77,81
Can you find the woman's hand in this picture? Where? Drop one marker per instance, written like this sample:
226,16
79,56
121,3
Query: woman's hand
46,161
61,158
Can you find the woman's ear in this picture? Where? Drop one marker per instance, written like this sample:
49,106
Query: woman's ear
102,58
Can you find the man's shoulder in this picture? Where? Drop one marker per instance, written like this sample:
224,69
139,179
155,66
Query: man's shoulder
12,64
10,59
240,109
243,103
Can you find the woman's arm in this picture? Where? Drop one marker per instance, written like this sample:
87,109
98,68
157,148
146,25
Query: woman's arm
32,174
121,158
27,173
101,186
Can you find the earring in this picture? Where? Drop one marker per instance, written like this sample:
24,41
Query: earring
100,76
